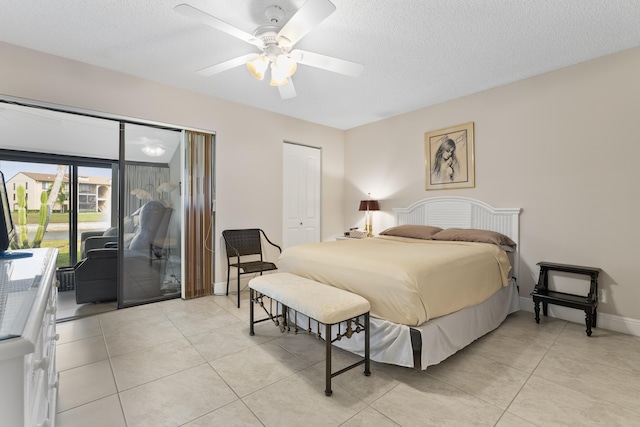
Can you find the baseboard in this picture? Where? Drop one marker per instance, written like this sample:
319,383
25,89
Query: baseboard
612,322
220,288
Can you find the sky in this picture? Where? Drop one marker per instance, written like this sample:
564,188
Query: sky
10,169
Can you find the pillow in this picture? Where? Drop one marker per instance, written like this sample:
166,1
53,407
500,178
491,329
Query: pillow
111,232
424,232
128,228
473,235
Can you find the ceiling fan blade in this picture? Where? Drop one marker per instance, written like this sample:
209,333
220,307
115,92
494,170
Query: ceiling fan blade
287,91
306,18
348,68
227,65
205,18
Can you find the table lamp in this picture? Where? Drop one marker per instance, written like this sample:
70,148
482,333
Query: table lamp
368,206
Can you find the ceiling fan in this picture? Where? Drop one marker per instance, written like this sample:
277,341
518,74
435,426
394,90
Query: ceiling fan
275,42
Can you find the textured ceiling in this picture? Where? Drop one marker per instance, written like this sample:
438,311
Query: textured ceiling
416,53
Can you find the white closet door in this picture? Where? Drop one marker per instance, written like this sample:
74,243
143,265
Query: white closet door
301,194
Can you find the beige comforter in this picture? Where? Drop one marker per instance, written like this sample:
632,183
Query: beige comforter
406,281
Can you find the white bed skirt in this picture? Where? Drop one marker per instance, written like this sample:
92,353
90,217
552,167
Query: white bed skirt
441,337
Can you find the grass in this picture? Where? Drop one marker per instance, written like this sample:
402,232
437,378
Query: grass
63,251
63,218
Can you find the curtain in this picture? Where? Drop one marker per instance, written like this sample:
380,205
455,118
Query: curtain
199,196
146,178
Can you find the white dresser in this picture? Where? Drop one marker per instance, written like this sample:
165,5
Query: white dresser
28,378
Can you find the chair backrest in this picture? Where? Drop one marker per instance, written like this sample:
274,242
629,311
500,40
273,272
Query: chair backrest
161,233
153,224
242,242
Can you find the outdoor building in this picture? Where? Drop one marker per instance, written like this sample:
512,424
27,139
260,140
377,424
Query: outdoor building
94,192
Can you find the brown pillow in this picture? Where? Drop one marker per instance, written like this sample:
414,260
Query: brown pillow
473,235
424,232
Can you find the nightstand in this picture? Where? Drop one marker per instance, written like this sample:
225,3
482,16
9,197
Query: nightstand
353,234
588,303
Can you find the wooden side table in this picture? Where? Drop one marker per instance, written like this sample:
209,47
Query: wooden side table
589,303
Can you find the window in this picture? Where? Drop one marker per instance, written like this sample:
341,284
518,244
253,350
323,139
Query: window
69,217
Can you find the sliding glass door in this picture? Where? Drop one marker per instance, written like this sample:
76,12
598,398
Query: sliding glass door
113,190
150,210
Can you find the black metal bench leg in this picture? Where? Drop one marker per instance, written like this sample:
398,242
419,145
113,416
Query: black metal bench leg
251,295
284,323
238,288
367,348
327,338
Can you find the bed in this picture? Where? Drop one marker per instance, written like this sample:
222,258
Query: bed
420,315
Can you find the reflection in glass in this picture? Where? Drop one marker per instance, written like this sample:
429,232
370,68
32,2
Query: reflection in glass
151,256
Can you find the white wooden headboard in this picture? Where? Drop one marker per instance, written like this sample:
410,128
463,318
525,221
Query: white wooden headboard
464,212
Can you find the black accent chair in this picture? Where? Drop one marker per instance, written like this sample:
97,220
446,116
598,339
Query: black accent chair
97,274
246,244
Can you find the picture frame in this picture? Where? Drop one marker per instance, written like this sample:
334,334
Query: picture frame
449,158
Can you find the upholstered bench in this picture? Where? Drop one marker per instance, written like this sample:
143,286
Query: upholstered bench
325,304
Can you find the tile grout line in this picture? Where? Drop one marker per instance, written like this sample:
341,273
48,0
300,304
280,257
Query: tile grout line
532,372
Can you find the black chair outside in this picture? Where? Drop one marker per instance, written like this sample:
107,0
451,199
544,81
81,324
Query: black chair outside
243,244
96,275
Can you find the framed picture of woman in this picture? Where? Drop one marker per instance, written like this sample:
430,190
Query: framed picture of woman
449,159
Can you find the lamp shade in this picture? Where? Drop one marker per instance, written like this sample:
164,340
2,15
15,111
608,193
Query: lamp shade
258,66
369,205
286,64
278,75
141,194
166,187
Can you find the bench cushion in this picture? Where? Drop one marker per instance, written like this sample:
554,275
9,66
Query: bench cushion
321,302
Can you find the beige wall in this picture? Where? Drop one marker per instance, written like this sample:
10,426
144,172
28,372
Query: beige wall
248,140
562,146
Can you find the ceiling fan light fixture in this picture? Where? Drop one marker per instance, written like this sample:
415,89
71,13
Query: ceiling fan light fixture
258,67
288,65
278,75
153,150
276,40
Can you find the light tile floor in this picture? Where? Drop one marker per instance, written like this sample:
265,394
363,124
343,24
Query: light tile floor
193,363
68,309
